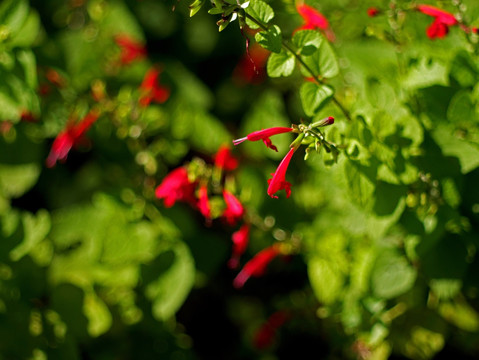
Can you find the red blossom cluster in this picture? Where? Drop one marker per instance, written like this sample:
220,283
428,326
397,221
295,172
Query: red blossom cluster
178,185
196,190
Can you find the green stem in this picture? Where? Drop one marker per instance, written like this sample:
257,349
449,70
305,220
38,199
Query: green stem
316,77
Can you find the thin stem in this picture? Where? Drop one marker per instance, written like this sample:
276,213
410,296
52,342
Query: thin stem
316,77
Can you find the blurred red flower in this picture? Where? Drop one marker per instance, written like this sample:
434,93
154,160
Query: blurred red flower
251,67
176,186
151,90
131,50
71,136
256,266
224,160
234,209
240,243
442,21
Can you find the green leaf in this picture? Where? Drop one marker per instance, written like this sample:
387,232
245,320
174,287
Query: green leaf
462,108
281,64
260,11
313,96
27,59
270,39
99,317
391,275
466,152
464,69
461,314
326,279
28,32
307,41
322,62
426,72
15,180
13,14
196,6
172,287
36,228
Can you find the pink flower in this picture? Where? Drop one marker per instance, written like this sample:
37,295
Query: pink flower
203,202
264,337
256,266
313,19
278,182
224,160
373,11
264,135
442,20
240,243
234,210
131,50
71,136
151,90
176,186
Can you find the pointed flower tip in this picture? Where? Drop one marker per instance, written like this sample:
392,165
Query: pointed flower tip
239,141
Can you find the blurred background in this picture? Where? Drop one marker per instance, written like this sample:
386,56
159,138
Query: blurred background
101,99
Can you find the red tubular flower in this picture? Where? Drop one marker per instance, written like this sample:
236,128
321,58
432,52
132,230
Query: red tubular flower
71,136
224,160
203,202
131,50
278,182
264,135
313,19
442,21
373,11
251,67
151,90
256,266
234,210
264,337
176,186
240,243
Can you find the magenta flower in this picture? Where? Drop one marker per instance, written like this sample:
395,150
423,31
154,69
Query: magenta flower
203,202
234,210
256,266
151,90
240,243
278,182
224,160
131,50
176,186
264,135
72,135
442,21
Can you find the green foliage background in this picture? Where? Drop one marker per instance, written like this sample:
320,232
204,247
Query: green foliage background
93,266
